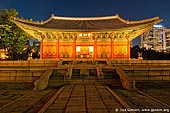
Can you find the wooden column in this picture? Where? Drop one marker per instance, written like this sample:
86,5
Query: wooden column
41,48
57,55
111,49
74,49
128,49
95,48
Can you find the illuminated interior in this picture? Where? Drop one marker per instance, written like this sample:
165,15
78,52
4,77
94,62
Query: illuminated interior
84,51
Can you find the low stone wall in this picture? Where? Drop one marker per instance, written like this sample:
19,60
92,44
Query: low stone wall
148,73
135,62
30,63
56,63
20,74
42,82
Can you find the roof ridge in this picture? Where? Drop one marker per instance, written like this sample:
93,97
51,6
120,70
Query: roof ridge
85,18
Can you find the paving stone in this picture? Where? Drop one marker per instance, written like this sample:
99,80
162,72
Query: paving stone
113,107
22,109
95,104
97,111
61,100
57,106
4,101
75,112
53,111
76,102
33,110
16,112
78,95
76,108
12,108
64,95
93,99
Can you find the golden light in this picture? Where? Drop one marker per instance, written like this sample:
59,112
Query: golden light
78,49
85,35
3,53
25,48
2,56
80,34
91,48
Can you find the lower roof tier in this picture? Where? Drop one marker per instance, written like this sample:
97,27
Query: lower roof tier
114,25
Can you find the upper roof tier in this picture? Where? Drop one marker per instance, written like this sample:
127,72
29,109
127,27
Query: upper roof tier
86,24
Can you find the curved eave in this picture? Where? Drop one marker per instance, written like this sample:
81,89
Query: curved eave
144,29
79,30
138,28
29,31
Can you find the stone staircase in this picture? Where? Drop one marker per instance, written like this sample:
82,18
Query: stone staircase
75,74
92,72
84,75
111,77
80,71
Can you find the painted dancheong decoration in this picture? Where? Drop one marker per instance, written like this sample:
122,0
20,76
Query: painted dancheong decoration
85,37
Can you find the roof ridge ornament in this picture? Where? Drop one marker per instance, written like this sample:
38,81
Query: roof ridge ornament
52,15
116,14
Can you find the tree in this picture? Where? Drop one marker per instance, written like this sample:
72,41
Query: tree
11,36
134,51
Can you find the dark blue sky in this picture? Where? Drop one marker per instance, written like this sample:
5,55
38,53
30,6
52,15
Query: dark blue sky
127,9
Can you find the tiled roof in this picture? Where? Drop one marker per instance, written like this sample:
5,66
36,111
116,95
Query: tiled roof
86,24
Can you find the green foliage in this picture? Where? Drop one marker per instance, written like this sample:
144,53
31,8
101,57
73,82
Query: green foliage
6,15
149,54
11,36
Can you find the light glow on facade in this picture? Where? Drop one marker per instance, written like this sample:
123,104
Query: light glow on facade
78,49
91,48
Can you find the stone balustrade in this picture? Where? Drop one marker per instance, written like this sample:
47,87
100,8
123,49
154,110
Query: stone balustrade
42,82
126,81
99,71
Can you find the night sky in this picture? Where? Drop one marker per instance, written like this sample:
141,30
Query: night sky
127,9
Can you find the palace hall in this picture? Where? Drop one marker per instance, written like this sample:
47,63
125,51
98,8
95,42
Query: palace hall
85,37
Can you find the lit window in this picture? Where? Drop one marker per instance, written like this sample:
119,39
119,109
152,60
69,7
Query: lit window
85,34
78,49
80,34
91,48
89,34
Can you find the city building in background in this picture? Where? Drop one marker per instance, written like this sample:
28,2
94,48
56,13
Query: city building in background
155,38
36,46
167,34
